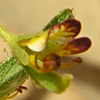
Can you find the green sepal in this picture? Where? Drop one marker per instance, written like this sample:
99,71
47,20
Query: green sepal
12,75
50,81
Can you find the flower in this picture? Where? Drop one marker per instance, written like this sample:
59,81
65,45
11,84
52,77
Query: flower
46,48
36,55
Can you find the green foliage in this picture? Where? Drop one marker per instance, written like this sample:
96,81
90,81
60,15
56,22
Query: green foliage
62,16
12,76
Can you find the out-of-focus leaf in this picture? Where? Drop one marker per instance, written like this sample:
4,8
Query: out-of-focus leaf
62,16
12,75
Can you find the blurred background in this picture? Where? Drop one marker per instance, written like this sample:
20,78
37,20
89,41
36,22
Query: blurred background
29,16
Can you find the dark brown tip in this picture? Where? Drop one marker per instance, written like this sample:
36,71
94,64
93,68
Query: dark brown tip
78,45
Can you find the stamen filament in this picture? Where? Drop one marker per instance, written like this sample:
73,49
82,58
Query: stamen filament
70,64
13,95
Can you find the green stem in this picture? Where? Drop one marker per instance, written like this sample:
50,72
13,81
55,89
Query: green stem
7,36
11,39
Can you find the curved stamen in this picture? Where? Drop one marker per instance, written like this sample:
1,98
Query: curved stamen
14,93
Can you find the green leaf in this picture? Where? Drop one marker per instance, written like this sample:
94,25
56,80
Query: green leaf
62,16
12,75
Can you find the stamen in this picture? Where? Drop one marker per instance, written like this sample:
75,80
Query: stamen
36,62
70,64
18,90
13,95
52,59
38,66
77,60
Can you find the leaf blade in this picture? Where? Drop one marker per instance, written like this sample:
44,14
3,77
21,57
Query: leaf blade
12,76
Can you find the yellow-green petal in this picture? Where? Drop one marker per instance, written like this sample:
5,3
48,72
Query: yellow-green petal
36,44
